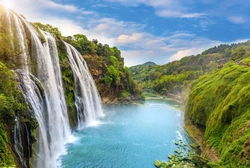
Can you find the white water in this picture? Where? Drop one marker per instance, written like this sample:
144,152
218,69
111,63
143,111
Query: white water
18,142
88,102
44,92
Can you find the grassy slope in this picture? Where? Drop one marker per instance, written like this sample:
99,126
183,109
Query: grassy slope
220,103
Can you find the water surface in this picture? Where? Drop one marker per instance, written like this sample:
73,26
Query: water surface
129,136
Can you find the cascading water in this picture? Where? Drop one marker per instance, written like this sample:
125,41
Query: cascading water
88,102
18,142
43,90
50,109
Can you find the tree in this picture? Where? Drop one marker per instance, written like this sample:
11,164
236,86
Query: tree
238,53
114,61
48,28
113,73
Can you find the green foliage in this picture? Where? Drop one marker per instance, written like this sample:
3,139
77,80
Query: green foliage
114,61
238,53
81,43
106,66
107,80
6,158
113,73
184,156
12,105
125,94
11,98
220,102
176,76
48,28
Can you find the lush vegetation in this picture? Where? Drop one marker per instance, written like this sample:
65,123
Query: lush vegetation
219,102
12,106
106,65
175,77
114,81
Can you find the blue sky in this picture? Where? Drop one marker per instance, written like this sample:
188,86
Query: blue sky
145,30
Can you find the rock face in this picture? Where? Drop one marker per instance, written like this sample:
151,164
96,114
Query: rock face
121,89
219,105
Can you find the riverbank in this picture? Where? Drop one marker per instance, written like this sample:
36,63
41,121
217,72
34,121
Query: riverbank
197,135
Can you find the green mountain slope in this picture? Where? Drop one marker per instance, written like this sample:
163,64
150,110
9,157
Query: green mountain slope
219,103
143,65
175,77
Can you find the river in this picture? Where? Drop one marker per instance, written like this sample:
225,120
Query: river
128,136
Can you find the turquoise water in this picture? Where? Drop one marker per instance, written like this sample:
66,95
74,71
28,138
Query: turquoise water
129,136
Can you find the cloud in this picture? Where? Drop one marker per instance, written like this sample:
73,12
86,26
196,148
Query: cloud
169,8
177,14
124,39
112,27
187,52
57,6
136,57
237,19
136,44
140,47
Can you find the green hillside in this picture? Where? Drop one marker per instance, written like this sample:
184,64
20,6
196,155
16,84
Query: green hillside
219,104
175,77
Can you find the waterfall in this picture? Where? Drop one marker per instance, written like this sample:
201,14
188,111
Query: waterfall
88,102
41,84
49,103
18,142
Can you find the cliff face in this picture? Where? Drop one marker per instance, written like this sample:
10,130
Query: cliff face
114,81
219,104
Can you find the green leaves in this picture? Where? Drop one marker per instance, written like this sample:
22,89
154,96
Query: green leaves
49,28
113,73
6,158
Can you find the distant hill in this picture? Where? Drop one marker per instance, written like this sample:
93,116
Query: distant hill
175,76
149,63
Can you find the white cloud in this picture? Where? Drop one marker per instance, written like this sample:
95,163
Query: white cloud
187,52
124,39
169,8
237,19
136,57
137,45
176,48
57,6
177,14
